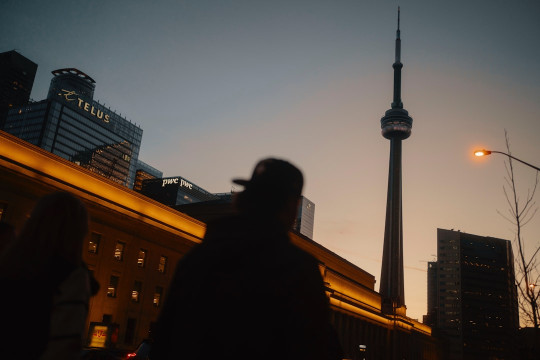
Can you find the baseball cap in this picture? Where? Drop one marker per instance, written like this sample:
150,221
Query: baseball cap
274,176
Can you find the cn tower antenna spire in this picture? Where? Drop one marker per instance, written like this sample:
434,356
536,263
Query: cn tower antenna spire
398,32
397,68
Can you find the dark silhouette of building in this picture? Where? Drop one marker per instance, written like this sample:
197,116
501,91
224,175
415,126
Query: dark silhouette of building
431,317
69,123
396,126
473,306
17,75
529,343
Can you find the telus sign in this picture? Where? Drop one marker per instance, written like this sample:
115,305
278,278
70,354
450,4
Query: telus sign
68,95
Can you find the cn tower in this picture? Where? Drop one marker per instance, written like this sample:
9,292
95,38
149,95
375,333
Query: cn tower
396,126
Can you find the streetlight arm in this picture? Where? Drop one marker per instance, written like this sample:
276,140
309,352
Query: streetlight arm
515,158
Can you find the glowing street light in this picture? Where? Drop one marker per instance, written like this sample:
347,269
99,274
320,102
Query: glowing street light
485,152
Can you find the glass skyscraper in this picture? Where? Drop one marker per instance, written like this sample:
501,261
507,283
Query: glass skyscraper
69,123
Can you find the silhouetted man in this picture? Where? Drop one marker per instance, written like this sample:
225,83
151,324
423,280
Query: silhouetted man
246,292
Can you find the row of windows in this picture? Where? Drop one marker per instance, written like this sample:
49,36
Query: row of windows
136,291
119,249
131,131
79,124
89,141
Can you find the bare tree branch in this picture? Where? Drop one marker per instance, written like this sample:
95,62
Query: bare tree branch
521,211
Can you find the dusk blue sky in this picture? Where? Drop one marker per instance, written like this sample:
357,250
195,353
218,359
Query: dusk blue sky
217,85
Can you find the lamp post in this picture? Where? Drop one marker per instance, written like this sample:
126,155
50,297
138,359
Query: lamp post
484,152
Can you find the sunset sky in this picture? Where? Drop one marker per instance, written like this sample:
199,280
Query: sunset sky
217,85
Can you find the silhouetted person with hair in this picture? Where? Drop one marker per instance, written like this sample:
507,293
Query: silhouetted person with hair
46,286
246,292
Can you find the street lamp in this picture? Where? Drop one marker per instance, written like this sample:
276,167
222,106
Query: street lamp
485,152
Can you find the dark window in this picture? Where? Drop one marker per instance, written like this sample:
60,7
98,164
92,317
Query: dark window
157,296
113,286
119,250
130,331
142,258
106,318
93,243
162,267
3,207
152,329
136,292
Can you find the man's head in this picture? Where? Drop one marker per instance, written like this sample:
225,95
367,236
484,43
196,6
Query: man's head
274,190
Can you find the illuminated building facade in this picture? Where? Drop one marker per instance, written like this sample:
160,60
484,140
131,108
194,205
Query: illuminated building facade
135,242
143,171
17,75
474,310
173,191
69,123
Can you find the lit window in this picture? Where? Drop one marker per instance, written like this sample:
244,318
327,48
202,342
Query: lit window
113,286
142,258
93,243
119,251
162,264
157,296
136,292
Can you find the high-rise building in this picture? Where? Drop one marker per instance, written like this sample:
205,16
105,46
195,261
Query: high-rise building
17,75
474,310
305,218
431,317
71,124
396,126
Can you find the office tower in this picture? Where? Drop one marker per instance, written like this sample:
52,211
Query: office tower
475,311
143,171
305,218
431,317
17,75
71,124
396,126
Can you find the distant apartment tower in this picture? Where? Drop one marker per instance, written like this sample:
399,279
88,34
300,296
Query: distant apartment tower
173,191
472,298
305,218
69,123
143,171
17,75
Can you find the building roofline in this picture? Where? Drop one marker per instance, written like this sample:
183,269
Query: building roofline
73,71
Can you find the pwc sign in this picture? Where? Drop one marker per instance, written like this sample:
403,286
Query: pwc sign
177,180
